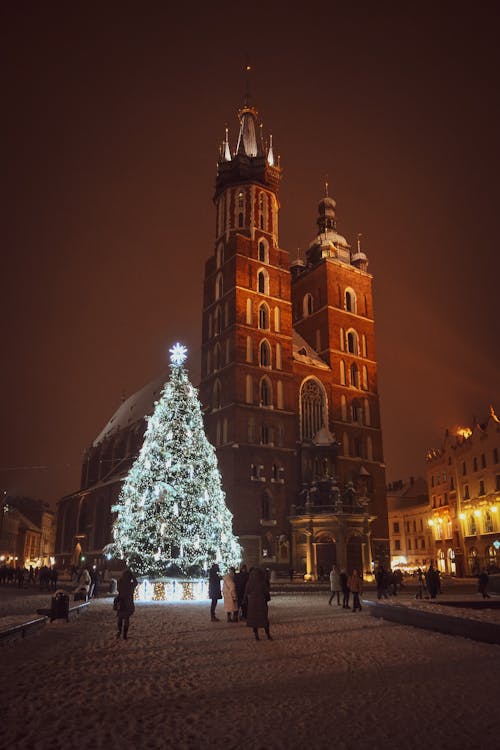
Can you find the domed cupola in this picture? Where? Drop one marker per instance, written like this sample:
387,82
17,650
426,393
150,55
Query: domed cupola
329,243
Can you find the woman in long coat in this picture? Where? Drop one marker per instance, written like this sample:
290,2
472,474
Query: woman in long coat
257,596
230,596
214,592
126,607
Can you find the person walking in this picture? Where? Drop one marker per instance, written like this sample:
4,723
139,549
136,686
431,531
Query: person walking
126,607
382,581
432,581
257,595
483,580
214,592
335,585
241,584
356,586
344,582
230,596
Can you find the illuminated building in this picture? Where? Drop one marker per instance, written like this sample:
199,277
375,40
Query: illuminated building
412,543
464,486
288,383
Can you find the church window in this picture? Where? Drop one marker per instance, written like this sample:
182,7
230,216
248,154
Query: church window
343,408
307,305
263,282
367,412
279,394
350,301
264,434
312,408
354,375
279,363
262,210
220,254
240,201
263,254
249,389
249,312
265,392
342,372
369,448
356,411
249,349
264,316
365,378
217,321
352,342
364,348
216,395
277,319
265,354
342,340
240,219
219,286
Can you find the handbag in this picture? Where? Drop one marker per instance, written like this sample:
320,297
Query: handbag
116,603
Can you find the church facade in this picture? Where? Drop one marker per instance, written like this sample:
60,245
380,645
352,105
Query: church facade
288,385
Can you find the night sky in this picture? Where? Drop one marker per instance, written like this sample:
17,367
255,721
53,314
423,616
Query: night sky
112,118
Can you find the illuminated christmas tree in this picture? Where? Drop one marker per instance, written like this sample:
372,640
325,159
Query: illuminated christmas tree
171,514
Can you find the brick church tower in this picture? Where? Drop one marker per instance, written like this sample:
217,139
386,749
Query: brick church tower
288,376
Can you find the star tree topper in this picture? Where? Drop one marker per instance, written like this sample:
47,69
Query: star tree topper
178,354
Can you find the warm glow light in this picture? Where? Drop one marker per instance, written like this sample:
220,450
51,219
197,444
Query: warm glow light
494,508
462,516
430,522
464,432
477,513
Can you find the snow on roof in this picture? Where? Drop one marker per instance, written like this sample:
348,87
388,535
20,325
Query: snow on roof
133,408
304,353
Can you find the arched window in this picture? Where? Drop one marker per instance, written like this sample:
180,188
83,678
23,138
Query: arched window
279,394
369,448
279,361
262,210
249,389
249,313
365,378
217,357
356,411
217,321
342,340
471,522
488,522
263,281
350,303
219,286
345,444
264,354
240,208
249,349
266,505
353,371
366,406
264,316
342,372
352,342
216,395
266,396
312,408
263,251
277,319
265,434
220,254
307,305
364,349
343,408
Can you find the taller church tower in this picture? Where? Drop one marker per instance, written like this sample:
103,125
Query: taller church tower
288,376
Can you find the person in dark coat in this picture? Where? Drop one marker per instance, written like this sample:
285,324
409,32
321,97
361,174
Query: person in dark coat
257,596
382,581
432,581
344,582
126,608
483,580
241,584
214,592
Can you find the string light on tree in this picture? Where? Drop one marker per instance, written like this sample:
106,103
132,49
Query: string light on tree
172,517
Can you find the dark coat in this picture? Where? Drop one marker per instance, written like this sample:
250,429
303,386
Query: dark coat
241,584
257,595
126,587
214,591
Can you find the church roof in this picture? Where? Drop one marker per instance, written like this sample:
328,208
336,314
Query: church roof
133,409
304,353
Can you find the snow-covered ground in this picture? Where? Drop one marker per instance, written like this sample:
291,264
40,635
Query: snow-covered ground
329,679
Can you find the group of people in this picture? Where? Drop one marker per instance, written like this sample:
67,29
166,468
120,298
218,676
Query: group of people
388,581
343,585
23,577
87,582
245,595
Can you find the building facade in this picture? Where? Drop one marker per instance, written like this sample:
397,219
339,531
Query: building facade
289,376
27,533
288,384
412,542
464,486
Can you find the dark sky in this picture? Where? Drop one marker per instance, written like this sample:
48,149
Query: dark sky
112,117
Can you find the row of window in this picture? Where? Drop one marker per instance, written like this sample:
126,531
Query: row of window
481,488
416,544
263,316
480,522
350,302
266,211
480,463
277,473
347,299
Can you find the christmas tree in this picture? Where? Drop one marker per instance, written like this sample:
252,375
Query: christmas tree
171,513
